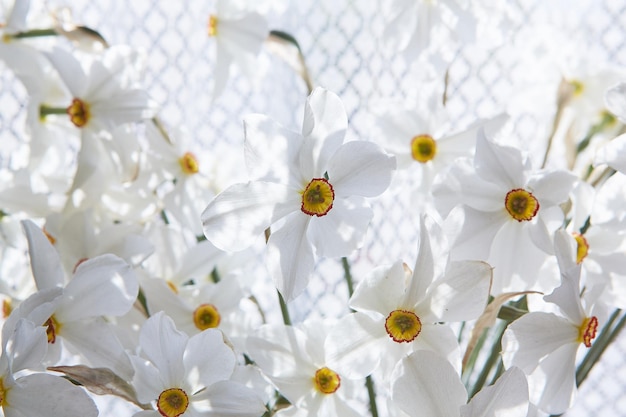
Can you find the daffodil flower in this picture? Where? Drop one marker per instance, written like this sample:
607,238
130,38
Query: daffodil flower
294,359
425,384
544,345
36,394
309,187
509,211
399,311
188,376
239,35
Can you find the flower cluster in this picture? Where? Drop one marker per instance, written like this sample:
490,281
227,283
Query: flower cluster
137,264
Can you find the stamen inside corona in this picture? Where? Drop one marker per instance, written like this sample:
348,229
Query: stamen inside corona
7,307
172,402
78,112
423,148
582,248
52,329
521,205
317,197
206,317
326,380
587,330
189,163
2,392
212,27
403,326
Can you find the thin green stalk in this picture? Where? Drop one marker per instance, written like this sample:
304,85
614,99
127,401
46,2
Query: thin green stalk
47,111
347,275
283,309
492,359
34,33
369,382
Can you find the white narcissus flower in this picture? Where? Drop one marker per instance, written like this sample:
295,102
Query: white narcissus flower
309,187
188,377
36,394
101,286
425,384
399,311
105,96
294,359
239,35
510,211
545,345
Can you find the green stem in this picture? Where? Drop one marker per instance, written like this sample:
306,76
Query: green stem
607,120
47,110
283,309
347,275
34,33
369,383
494,357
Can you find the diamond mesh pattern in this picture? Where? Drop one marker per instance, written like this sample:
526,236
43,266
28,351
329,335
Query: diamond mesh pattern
339,39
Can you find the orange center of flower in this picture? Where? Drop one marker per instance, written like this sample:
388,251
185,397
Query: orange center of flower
212,26
2,392
326,380
521,205
582,247
7,307
52,329
423,148
403,326
172,402
587,330
189,163
78,112
206,317
317,197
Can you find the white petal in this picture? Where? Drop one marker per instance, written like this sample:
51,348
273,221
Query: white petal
28,346
146,379
228,398
290,256
360,168
615,100
567,295
44,259
530,338
553,384
382,290
37,308
440,339
124,107
271,151
426,382
613,154
50,396
424,270
70,71
324,128
462,293
508,396
199,261
551,188
240,214
104,285
355,346
221,72
208,358
498,164
476,237
341,230
164,346
97,342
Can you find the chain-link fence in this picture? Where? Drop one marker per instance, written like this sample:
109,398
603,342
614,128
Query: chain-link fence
340,42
